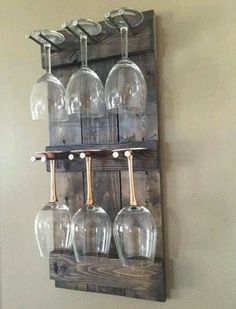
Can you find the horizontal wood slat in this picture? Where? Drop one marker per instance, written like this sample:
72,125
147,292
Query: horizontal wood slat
108,272
144,160
108,44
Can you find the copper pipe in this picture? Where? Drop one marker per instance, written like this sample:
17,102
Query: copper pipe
53,196
133,201
89,201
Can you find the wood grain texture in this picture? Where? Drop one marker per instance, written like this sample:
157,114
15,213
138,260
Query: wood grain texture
108,45
144,160
110,178
147,183
145,282
106,186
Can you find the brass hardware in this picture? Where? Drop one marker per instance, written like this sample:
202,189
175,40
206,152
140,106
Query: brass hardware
89,201
133,201
53,196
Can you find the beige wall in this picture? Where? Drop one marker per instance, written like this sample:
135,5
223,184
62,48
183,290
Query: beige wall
197,65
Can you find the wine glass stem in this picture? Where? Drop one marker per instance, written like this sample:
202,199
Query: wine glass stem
133,201
124,42
48,57
53,197
83,49
89,200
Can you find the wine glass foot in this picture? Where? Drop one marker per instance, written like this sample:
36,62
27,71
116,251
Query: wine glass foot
123,17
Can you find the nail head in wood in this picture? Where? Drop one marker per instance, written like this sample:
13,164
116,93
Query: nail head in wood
127,153
82,155
71,157
115,154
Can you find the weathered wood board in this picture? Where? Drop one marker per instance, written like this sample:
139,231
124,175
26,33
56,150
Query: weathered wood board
110,183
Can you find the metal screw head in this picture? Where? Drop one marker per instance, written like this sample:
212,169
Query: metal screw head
115,154
82,155
71,157
127,153
33,159
43,159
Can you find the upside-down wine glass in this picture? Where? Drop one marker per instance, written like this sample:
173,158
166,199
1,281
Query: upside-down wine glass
135,229
85,91
125,88
47,98
52,223
91,226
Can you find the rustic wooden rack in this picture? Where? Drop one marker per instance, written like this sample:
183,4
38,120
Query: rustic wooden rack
110,175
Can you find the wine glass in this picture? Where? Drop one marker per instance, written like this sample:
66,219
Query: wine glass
85,91
135,230
47,98
52,223
125,88
91,226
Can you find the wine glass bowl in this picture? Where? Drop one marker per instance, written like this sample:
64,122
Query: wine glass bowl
85,94
125,88
52,228
52,224
92,231
135,236
134,229
47,100
85,91
91,226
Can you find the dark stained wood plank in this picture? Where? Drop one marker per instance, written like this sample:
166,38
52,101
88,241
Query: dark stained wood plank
147,182
71,285
106,185
69,185
108,272
103,161
149,144
108,45
107,275
143,161
106,290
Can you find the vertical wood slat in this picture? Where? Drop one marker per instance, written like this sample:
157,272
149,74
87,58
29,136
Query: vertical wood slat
69,185
106,185
111,187
146,128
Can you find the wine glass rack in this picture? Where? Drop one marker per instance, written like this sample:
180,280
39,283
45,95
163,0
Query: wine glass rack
101,137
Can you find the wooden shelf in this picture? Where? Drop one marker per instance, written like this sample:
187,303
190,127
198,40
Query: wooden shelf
110,180
144,160
144,283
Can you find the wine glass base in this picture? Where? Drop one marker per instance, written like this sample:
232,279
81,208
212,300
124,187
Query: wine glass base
53,36
91,27
123,17
89,257
137,262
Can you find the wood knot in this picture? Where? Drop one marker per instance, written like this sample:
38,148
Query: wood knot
60,268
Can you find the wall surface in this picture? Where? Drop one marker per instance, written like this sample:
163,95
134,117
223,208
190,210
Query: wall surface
197,72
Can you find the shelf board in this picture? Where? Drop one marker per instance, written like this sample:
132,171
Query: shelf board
146,282
144,160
